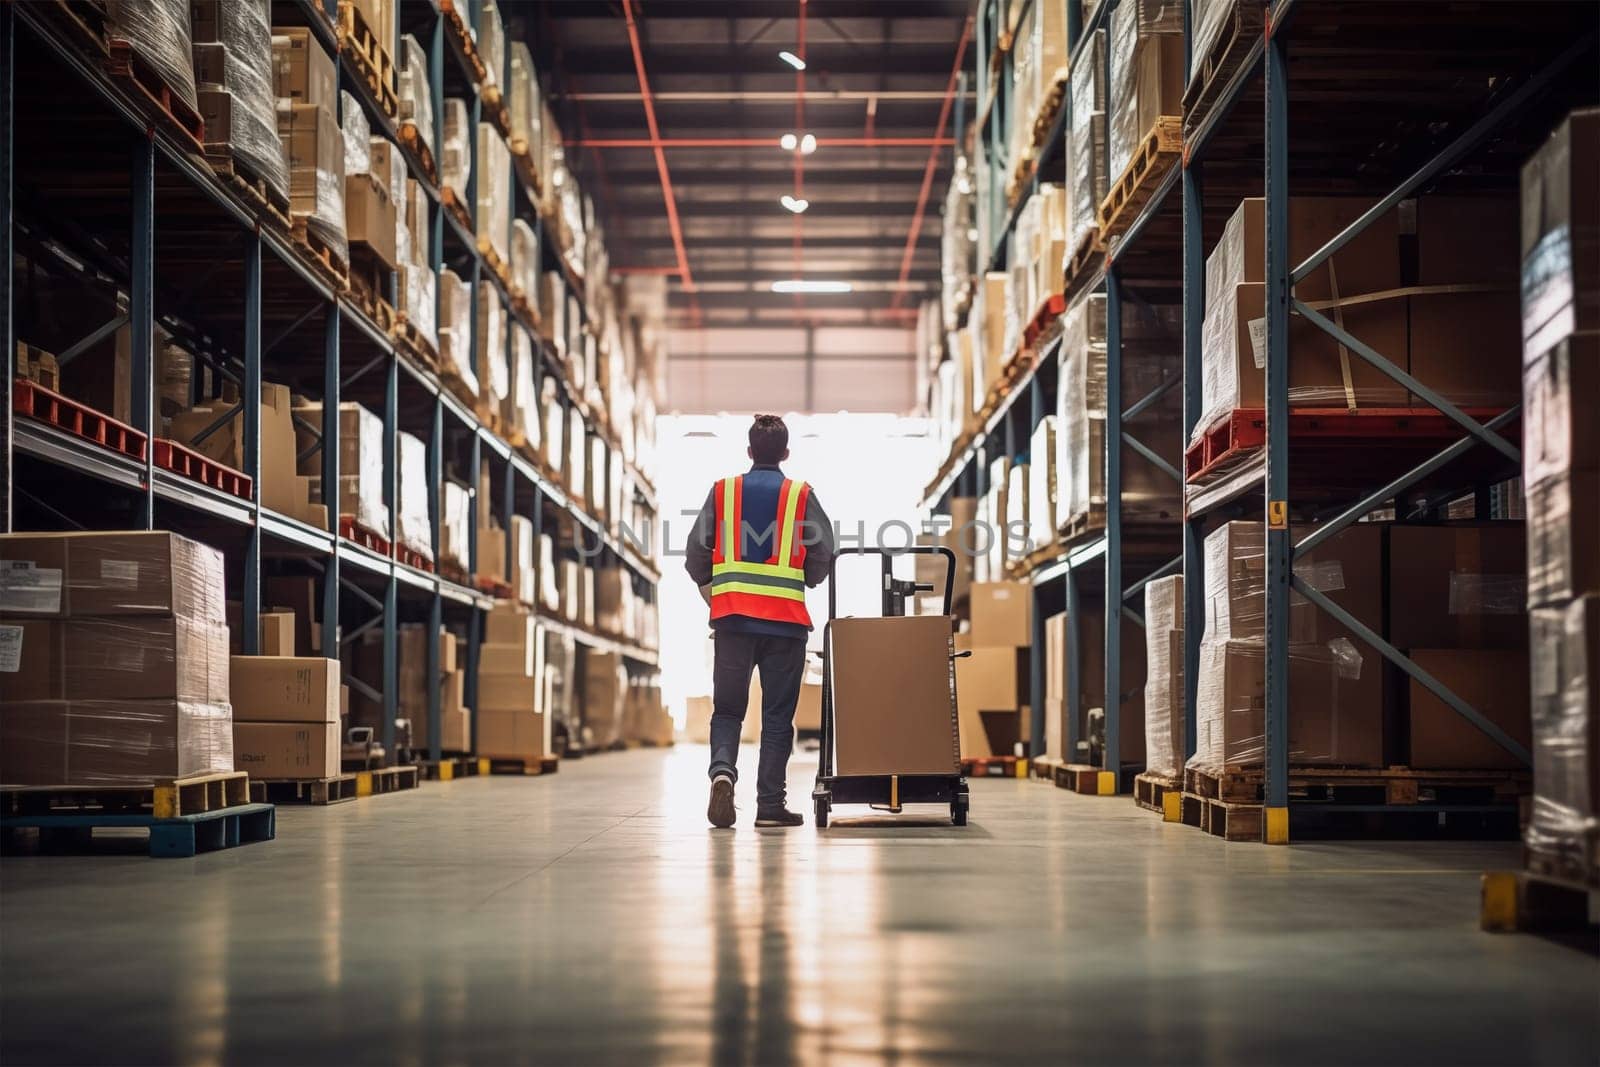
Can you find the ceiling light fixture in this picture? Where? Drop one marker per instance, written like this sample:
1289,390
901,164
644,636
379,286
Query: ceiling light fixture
808,145
793,60
788,142
796,206
799,285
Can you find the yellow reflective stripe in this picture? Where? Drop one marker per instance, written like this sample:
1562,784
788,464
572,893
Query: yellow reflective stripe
786,542
730,524
775,570
758,590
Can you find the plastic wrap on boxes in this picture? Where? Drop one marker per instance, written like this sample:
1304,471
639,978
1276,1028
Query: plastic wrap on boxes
455,155
493,210
111,573
411,514
113,742
1138,78
956,255
245,33
1561,235
527,106
360,466
455,328
1042,457
1231,712
1565,825
522,401
417,291
525,260
1086,144
416,99
1163,689
313,140
455,523
496,382
357,133
1208,16
158,30
492,42
555,440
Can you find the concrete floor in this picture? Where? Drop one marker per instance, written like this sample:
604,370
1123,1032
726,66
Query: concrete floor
593,917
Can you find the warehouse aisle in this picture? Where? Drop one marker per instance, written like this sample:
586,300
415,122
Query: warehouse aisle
592,916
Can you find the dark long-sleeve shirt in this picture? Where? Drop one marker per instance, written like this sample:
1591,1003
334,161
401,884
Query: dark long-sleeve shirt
760,502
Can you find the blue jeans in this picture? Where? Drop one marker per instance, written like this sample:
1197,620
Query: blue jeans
782,662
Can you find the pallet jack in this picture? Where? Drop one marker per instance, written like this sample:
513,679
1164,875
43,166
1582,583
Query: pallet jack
889,792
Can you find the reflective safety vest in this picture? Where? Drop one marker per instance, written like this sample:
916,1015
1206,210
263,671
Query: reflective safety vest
774,588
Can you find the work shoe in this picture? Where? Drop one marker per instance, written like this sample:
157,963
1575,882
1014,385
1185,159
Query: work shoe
778,817
720,810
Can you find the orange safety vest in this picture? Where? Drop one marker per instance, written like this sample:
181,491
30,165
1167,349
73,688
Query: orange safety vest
774,589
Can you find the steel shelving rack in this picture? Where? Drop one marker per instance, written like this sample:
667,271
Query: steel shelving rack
248,307
1505,97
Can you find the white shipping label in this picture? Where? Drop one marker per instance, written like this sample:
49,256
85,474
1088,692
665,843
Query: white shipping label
1258,342
121,572
26,588
10,649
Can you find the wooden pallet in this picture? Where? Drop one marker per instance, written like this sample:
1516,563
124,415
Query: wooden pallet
83,22
1386,785
492,260
320,791
351,530
128,68
457,386
1579,861
270,205
1159,793
333,265
1049,110
185,462
1158,150
497,765
177,837
34,401
406,334
451,11
1084,262
372,61
493,587
1084,779
1220,818
1215,70
1080,527
411,138
167,798
994,767
494,110
364,294
387,780
1526,901
449,768
522,160
455,204
1044,767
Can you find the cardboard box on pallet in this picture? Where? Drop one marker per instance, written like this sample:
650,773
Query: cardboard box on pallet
361,476
1147,75
112,742
1463,585
299,597
116,573
604,682
302,70
285,688
305,750
1494,682
1164,742
313,146
278,484
1002,614
1564,830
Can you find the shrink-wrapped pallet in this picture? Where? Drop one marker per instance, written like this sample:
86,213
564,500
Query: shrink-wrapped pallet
1086,143
416,493
416,97
159,34
1563,835
455,154
455,329
495,379
237,101
493,211
1163,689
1147,74
526,105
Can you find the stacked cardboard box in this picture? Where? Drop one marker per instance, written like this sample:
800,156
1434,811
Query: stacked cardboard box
494,382
361,473
1055,688
416,98
113,659
992,683
1043,517
455,155
306,88
1561,469
455,525
286,716
455,718
513,686
891,693
232,48
1335,684
278,484
605,683
1417,285
1164,743
1147,75
645,720
455,331
1086,143
413,524
1091,688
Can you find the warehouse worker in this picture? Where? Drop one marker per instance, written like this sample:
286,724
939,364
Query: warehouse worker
758,543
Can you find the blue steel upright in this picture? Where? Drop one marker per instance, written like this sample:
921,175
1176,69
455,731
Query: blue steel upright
141,309
1194,309
1278,545
1110,778
8,339
250,609
330,476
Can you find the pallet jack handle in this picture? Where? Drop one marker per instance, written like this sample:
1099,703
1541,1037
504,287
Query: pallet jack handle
895,590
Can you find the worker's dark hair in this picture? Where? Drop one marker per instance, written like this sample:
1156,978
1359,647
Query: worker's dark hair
769,439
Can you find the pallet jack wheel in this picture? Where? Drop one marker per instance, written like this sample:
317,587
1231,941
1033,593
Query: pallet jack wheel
959,805
822,812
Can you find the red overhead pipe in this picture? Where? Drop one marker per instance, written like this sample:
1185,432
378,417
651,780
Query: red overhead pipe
756,142
657,144
933,161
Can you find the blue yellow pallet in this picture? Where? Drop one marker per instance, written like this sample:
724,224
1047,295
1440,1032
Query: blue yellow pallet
177,837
